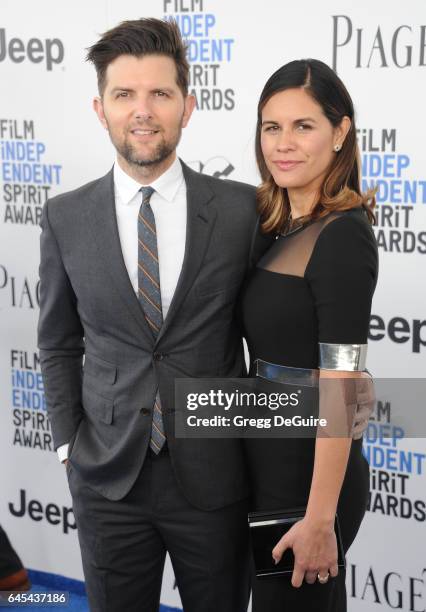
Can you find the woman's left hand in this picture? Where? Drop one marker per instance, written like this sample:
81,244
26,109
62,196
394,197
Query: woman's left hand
314,547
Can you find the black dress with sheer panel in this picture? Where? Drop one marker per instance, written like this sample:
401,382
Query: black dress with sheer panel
314,284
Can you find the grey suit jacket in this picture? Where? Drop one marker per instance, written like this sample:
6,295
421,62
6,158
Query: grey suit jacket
88,306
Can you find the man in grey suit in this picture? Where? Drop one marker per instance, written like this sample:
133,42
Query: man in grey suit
139,272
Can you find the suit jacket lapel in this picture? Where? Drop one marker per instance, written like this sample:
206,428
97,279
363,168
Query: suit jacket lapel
200,222
102,220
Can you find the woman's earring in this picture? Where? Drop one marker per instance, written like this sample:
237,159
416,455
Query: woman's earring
337,147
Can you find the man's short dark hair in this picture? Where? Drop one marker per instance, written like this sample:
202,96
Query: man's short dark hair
141,37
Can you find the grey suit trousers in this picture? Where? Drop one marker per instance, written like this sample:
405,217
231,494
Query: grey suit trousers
124,545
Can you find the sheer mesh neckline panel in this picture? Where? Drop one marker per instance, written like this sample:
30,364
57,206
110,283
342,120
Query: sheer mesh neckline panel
290,254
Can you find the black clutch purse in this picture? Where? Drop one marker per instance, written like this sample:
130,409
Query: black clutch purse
267,528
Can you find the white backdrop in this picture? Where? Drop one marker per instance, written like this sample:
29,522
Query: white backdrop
50,142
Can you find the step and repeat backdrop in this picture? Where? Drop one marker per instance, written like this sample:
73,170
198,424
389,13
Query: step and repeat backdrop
51,141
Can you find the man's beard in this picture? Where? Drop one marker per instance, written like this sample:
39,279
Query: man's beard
160,153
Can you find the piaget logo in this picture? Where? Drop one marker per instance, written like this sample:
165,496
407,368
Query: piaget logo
49,51
18,292
388,587
377,45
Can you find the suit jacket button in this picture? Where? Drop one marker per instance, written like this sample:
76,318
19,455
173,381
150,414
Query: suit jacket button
146,411
158,356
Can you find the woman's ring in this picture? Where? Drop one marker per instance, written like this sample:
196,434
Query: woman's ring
323,579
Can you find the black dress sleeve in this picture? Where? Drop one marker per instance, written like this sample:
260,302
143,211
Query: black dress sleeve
342,275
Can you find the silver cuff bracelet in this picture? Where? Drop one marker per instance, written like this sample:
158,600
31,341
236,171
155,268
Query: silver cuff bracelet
349,357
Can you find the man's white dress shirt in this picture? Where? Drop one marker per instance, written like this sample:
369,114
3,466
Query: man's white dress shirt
168,204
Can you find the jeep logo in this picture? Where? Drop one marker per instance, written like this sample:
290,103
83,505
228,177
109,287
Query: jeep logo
50,50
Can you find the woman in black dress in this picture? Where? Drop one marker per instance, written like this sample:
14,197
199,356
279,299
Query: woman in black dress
307,305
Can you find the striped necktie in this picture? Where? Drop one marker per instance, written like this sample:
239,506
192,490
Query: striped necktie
150,296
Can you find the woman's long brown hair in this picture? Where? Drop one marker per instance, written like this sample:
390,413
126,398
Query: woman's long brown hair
341,187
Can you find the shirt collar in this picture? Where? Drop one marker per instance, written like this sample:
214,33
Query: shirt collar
165,185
